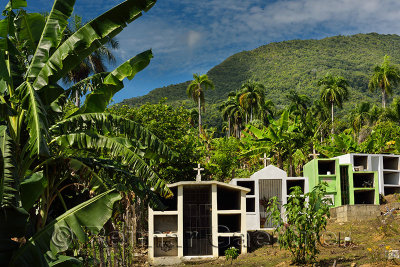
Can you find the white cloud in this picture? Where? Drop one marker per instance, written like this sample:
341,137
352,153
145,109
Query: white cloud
193,39
187,35
192,36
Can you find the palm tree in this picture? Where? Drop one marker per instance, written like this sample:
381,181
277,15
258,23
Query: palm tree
385,77
94,63
298,104
334,92
225,109
267,110
196,89
360,116
251,97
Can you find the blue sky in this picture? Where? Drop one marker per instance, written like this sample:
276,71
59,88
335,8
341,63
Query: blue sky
191,36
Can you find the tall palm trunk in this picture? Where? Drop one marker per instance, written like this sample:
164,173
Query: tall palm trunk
199,104
251,113
383,98
332,120
229,126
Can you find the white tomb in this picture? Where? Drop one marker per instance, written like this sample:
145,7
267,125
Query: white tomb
202,220
265,184
387,166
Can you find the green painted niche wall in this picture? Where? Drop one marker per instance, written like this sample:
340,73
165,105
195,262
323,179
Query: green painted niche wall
345,186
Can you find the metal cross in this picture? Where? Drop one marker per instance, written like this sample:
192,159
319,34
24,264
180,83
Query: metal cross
265,159
198,169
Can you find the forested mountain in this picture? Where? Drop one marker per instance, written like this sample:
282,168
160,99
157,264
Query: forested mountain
296,64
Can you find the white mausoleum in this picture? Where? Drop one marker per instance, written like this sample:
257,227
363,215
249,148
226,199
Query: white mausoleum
265,184
202,220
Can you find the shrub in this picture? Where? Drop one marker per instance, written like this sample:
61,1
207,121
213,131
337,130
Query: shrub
306,217
231,253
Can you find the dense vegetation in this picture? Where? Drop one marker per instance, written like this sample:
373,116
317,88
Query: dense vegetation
64,169
254,125
291,65
67,170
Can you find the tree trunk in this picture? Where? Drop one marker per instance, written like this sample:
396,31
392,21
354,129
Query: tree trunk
279,162
229,126
251,113
246,117
77,99
332,120
199,104
383,98
290,167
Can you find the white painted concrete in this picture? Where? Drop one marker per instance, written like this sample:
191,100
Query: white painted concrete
177,237
269,172
389,176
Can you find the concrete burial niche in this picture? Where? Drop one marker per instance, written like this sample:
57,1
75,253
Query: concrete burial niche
387,166
347,184
265,184
202,220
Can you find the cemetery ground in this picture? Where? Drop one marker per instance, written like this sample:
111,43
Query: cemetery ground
370,242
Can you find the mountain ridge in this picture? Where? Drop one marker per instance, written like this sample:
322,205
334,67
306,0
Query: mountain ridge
295,64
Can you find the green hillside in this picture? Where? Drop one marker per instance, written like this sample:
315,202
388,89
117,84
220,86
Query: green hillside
296,64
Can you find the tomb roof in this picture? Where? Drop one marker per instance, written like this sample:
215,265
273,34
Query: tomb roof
189,183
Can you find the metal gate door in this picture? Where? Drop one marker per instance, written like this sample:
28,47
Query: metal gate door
269,188
197,221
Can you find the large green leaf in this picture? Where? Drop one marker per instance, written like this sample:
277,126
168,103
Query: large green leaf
87,39
15,4
98,100
35,119
51,36
31,189
57,235
29,27
117,150
116,125
4,75
8,177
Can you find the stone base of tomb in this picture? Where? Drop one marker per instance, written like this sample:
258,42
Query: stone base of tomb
359,212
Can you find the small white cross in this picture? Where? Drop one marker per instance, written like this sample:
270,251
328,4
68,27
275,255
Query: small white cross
198,169
314,154
265,159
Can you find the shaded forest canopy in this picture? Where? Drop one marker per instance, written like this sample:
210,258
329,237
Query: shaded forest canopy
296,64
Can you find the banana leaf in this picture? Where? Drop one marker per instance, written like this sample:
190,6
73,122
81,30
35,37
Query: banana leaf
15,4
108,123
29,27
8,177
117,151
31,188
41,249
98,100
86,40
36,120
51,36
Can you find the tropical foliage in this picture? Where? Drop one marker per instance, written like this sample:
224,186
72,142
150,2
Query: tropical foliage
46,149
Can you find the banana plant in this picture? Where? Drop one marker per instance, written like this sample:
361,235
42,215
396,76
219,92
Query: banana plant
279,140
42,152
